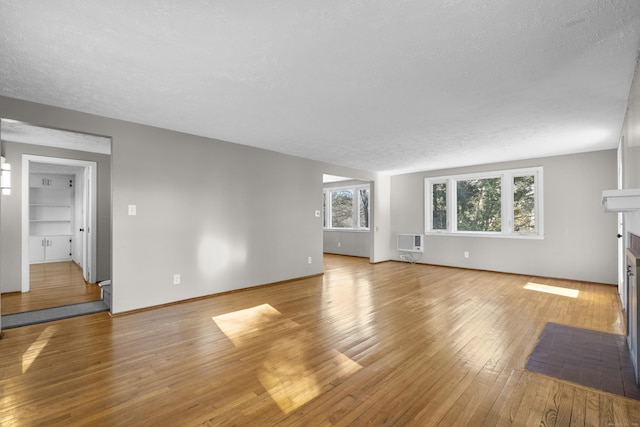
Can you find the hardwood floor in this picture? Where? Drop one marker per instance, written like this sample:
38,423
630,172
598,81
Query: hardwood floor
384,344
51,285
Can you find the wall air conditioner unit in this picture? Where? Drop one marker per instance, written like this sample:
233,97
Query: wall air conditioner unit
410,243
624,200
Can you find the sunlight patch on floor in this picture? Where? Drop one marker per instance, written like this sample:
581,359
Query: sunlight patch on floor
242,325
293,371
565,292
32,353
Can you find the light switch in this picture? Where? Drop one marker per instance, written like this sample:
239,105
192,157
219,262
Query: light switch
132,209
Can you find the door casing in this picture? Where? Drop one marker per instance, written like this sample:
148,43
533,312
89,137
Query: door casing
90,172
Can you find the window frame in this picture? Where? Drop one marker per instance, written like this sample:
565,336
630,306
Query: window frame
506,203
328,207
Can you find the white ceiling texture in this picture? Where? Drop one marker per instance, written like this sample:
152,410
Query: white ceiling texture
389,86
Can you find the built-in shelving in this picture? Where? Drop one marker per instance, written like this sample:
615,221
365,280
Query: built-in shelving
50,217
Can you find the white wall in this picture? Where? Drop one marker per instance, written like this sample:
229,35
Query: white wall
381,250
579,242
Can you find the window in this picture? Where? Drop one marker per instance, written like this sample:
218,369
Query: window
479,204
524,204
342,208
346,207
505,204
439,204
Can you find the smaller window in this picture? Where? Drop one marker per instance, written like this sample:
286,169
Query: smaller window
346,207
439,203
524,204
363,208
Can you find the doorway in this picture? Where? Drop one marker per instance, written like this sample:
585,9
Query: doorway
347,219
52,153
58,214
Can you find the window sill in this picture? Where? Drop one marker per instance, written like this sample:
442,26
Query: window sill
489,235
347,230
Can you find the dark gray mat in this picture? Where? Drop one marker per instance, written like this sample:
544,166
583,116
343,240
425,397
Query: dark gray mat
589,358
49,314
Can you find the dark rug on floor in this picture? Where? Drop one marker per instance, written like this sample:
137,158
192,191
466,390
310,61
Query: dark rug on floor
585,357
48,314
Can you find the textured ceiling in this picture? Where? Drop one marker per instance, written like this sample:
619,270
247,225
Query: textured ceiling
389,86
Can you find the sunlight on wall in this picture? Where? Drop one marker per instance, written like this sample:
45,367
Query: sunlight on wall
215,255
295,369
32,353
565,292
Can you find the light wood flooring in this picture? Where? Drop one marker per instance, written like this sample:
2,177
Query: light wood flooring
385,344
51,285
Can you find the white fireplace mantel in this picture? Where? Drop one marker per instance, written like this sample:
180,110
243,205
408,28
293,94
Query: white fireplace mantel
624,200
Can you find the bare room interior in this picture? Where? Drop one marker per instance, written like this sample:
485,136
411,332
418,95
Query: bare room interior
337,213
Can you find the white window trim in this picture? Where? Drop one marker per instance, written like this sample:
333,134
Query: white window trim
355,208
507,177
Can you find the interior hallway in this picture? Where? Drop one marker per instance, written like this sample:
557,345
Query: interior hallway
51,285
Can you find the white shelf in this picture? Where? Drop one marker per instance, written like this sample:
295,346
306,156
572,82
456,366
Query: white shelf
621,200
51,213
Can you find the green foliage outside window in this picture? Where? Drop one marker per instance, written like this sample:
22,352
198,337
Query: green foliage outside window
501,203
439,203
479,204
346,207
524,204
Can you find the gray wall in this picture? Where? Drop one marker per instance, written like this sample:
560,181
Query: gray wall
222,215
11,211
579,241
353,243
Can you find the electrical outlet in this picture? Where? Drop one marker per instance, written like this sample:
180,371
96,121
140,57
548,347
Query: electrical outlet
317,214
309,260
339,244
466,254
176,279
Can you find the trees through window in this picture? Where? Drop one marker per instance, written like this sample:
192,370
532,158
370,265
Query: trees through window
346,207
505,203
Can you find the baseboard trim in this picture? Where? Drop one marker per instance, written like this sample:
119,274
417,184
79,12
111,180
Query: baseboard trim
505,272
219,294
